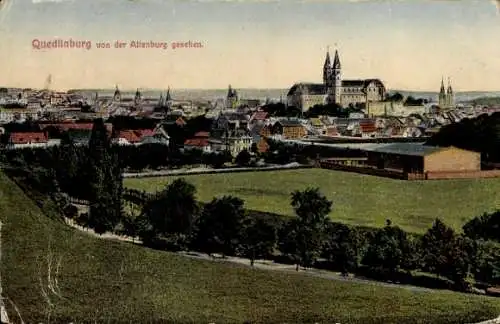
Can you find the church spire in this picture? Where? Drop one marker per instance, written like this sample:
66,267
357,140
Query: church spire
336,61
442,85
450,90
328,62
117,95
327,69
168,98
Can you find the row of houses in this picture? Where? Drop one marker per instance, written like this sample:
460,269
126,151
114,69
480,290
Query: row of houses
80,134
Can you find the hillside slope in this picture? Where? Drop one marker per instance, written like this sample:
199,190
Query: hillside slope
116,282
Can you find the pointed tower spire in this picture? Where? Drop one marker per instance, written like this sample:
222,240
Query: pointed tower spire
327,69
117,95
161,102
168,98
336,61
328,62
442,84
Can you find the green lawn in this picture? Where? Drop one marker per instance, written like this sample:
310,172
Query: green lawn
116,282
357,199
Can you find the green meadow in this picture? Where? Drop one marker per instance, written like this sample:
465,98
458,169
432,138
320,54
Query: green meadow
357,199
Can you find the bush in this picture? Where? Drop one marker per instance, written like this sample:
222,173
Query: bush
70,211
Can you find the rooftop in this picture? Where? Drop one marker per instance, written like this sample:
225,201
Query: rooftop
413,149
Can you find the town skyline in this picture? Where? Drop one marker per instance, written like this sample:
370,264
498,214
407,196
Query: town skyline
408,45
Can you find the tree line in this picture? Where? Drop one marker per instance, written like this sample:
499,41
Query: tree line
481,134
172,219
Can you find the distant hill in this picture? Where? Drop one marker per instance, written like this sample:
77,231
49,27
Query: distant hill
262,94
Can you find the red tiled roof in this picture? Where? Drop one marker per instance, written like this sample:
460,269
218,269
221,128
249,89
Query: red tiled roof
332,131
198,142
368,127
129,135
202,134
81,126
25,138
145,132
260,115
180,121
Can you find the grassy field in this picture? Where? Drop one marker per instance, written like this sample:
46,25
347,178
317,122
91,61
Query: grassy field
116,282
357,199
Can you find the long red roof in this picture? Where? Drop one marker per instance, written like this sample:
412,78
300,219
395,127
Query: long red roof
27,138
198,142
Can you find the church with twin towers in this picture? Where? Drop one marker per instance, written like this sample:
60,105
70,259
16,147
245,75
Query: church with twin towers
446,97
335,89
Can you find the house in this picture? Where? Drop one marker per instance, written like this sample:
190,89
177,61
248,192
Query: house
289,128
141,136
262,145
258,117
66,126
29,139
418,158
367,128
233,141
18,114
174,120
231,121
331,131
199,141
266,131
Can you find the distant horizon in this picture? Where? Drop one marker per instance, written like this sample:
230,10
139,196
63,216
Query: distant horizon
409,44
225,89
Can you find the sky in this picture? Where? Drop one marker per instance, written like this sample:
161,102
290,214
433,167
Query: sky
409,45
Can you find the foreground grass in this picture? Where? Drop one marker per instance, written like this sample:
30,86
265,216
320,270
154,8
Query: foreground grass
116,282
357,199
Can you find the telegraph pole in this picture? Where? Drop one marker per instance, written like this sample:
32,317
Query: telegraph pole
4,319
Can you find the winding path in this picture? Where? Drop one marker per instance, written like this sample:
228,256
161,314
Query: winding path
258,264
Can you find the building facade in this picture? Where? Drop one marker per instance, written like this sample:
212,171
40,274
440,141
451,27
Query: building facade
335,90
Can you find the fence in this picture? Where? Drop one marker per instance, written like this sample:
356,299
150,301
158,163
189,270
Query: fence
364,170
212,171
77,201
483,174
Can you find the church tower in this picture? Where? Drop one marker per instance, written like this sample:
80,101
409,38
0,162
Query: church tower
327,71
450,96
117,96
168,100
337,78
137,98
442,96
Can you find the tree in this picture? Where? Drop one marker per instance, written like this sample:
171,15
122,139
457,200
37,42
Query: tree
173,211
309,228
485,227
67,164
436,244
221,225
387,250
344,247
254,148
259,238
105,208
243,158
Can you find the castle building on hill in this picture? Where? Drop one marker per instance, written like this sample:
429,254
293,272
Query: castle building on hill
335,89
446,97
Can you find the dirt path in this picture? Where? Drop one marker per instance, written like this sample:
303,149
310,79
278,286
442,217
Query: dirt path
258,264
